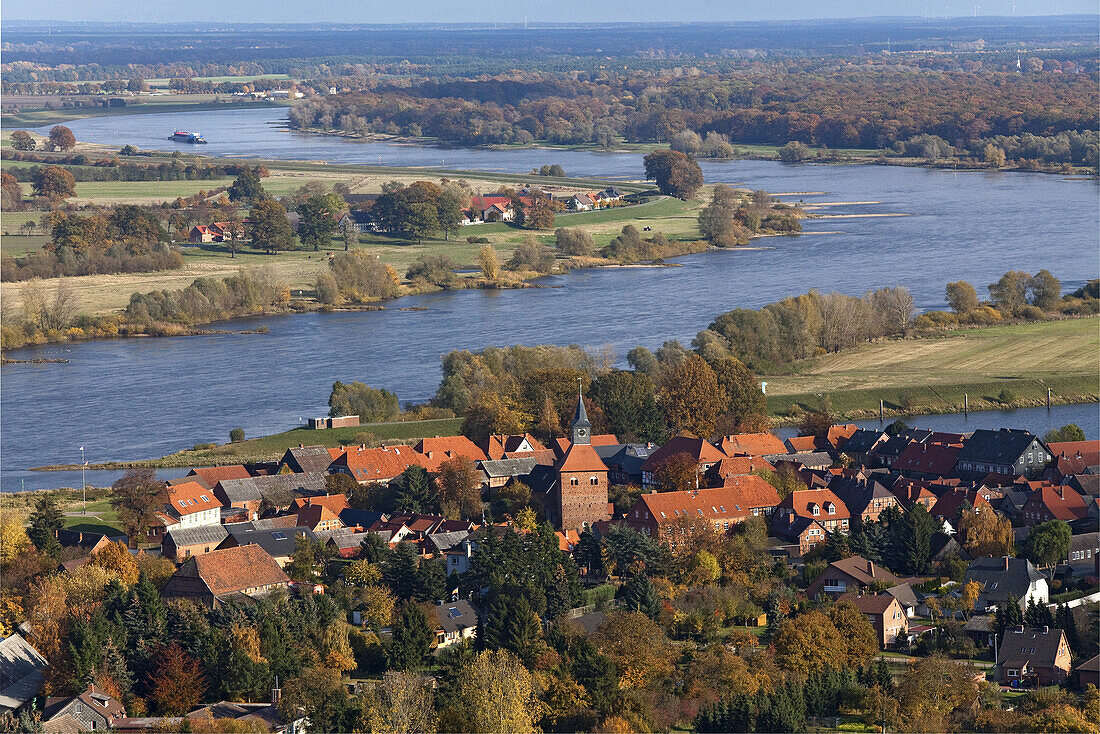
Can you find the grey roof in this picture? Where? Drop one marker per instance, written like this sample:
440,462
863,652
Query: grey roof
508,467
580,418
1004,446
894,445
979,623
811,459
278,542
857,494
904,594
21,672
629,456
1036,645
445,541
310,458
862,441
348,540
456,616
590,622
997,583
254,489
1084,541
201,534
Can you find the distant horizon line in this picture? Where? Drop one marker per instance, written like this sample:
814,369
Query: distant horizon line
498,25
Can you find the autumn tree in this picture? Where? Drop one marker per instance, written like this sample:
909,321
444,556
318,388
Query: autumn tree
401,702
492,413
962,297
136,497
247,186
116,557
317,219
13,541
931,689
675,173
691,398
499,694
1010,291
1048,543
986,533
859,642
489,264
677,472
459,495
270,228
629,402
807,643
718,223
54,182
377,603
177,685
638,647
320,695
22,140
1068,432
61,138
370,404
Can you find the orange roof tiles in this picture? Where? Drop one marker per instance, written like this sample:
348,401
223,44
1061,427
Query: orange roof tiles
804,501
191,497
581,458
211,475
336,503
441,448
736,466
752,444
379,464
702,451
235,569
719,503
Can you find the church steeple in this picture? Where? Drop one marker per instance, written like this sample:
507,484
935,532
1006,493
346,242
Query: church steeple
582,429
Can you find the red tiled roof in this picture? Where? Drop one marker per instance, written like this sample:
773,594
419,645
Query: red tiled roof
868,604
234,569
336,503
800,444
211,475
803,502
719,503
738,466
313,515
701,451
191,497
1074,457
600,439
580,457
379,464
1061,502
752,444
836,436
441,448
499,445
928,458
949,505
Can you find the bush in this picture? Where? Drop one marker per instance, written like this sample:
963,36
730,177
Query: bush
203,446
935,320
236,435
573,241
1006,396
983,315
1031,313
477,240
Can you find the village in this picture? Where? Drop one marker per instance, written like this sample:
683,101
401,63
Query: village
1001,549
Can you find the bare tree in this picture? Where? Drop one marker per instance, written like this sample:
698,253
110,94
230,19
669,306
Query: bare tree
893,309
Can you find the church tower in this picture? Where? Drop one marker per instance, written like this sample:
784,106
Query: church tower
582,429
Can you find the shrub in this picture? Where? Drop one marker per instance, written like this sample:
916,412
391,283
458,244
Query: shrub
1031,313
1006,395
935,320
203,446
473,240
236,435
983,315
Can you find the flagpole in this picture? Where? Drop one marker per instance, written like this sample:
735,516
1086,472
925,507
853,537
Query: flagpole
83,484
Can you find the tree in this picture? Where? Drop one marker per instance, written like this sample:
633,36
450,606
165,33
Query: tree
807,643
1008,616
1046,290
362,573
54,182
421,221
414,491
492,413
539,214
13,541
178,684
459,494
962,297
376,606
1048,543
437,270
985,533
639,595
993,156
359,277
859,642
718,221
402,702
370,404
489,264
448,209
46,520
629,403
12,193
574,241
638,647
676,174
676,473
61,138
744,400
794,152
270,229
317,693
931,689
412,639
1010,292
116,557
136,497
22,140
915,539
691,398
247,186
136,84
316,222
498,694
1067,433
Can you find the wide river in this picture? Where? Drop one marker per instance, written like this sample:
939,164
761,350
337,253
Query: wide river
138,398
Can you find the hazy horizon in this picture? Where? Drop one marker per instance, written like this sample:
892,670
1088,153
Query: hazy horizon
565,11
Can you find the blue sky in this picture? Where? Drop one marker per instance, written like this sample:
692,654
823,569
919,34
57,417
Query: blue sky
449,11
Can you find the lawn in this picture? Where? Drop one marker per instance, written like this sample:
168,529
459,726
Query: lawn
933,374
107,193
270,448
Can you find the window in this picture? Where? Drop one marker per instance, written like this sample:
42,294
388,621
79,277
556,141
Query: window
832,508
278,535
574,481
205,498
815,510
182,503
593,481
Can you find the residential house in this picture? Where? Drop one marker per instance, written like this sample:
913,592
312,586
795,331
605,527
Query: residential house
200,234
927,460
949,506
277,540
854,574
278,489
885,453
1001,579
93,709
211,579
227,231
180,543
611,193
319,518
804,532
865,497
1031,657
360,221
496,474
735,466
1007,451
208,476
861,443
821,505
581,202
752,444
655,514
382,464
443,448
885,614
1084,553
347,545
833,439
907,597
519,446
802,460
624,461
1054,503
455,621
1070,458
307,459
22,670
191,504
266,715
1088,672
704,454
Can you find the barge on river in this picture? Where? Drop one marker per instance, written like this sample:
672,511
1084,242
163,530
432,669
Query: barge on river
182,136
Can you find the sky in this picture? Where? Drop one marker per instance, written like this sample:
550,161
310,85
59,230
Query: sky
582,11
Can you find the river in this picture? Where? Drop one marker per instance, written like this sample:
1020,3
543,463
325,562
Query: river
139,398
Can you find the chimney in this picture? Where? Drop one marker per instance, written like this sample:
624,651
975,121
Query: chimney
871,568
1006,563
1020,629
1046,630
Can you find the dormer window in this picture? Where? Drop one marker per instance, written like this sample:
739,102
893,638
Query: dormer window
831,508
815,510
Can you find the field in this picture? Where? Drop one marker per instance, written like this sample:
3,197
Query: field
932,374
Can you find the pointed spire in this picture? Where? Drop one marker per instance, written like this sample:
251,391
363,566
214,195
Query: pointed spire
582,429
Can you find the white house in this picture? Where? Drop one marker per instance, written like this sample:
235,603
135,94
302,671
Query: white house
192,505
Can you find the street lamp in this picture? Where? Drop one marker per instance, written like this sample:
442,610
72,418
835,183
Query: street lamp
83,484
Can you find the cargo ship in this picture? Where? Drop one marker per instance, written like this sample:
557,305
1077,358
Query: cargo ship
186,137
